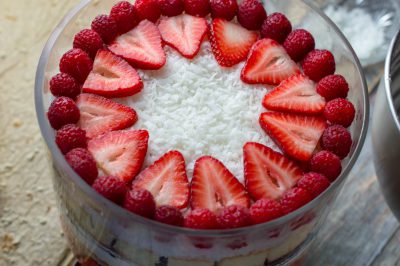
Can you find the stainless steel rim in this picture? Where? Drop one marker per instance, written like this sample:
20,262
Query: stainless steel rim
388,90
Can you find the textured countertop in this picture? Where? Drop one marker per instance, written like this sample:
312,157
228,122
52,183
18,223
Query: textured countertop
360,229
29,229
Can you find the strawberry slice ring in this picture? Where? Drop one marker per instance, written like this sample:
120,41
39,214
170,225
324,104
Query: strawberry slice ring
195,121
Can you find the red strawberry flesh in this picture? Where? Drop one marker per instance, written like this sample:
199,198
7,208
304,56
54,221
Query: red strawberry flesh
120,153
213,186
268,63
230,42
166,180
295,94
100,115
268,174
112,77
141,46
297,135
184,33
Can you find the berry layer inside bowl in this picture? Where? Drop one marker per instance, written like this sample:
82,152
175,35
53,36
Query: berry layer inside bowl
206,115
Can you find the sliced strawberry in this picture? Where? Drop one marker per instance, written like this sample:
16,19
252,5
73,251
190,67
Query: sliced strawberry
141,46
230,42
268,63
112,76
120,153
184,33
295,94
100,115
214,186
166,180
297,135
268,174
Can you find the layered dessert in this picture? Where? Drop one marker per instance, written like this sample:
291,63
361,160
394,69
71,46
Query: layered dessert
207,115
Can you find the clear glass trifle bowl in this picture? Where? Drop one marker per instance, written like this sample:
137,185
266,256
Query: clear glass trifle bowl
108,234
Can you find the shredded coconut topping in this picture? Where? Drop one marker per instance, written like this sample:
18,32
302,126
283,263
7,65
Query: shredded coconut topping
199,108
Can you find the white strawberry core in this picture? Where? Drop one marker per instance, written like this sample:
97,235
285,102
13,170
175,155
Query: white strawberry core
199,108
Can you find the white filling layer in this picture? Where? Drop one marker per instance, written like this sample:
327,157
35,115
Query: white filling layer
199,108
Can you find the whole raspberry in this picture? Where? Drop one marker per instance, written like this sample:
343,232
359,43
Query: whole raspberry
63,84
299,43
294,198
83,164
326,163
277,27
169,215
199,8
264,210
201,219
314,183
233,216
141,202
111,187
124,14
318,64
340,111
171,8
332,87
148,9
63,111
251,14
76,63
225,9
70,137
106,27
337,139
88,41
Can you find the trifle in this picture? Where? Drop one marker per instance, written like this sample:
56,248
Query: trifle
197,132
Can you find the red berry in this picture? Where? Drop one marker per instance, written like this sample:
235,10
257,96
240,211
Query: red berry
169,215
171,8
76,63
124,14
106,27
111,187
332,87
233,216
63,111
299,43
201,219
225,9
264,210
326,163
337,139
148,9
83,164
318,64
294,198
251,14
314,183
141,202
199,8
88,41
70,137
277,27
340,111
63,84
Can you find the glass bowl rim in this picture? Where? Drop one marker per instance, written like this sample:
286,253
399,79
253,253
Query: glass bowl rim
121,212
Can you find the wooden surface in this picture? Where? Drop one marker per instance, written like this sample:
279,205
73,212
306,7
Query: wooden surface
359,231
